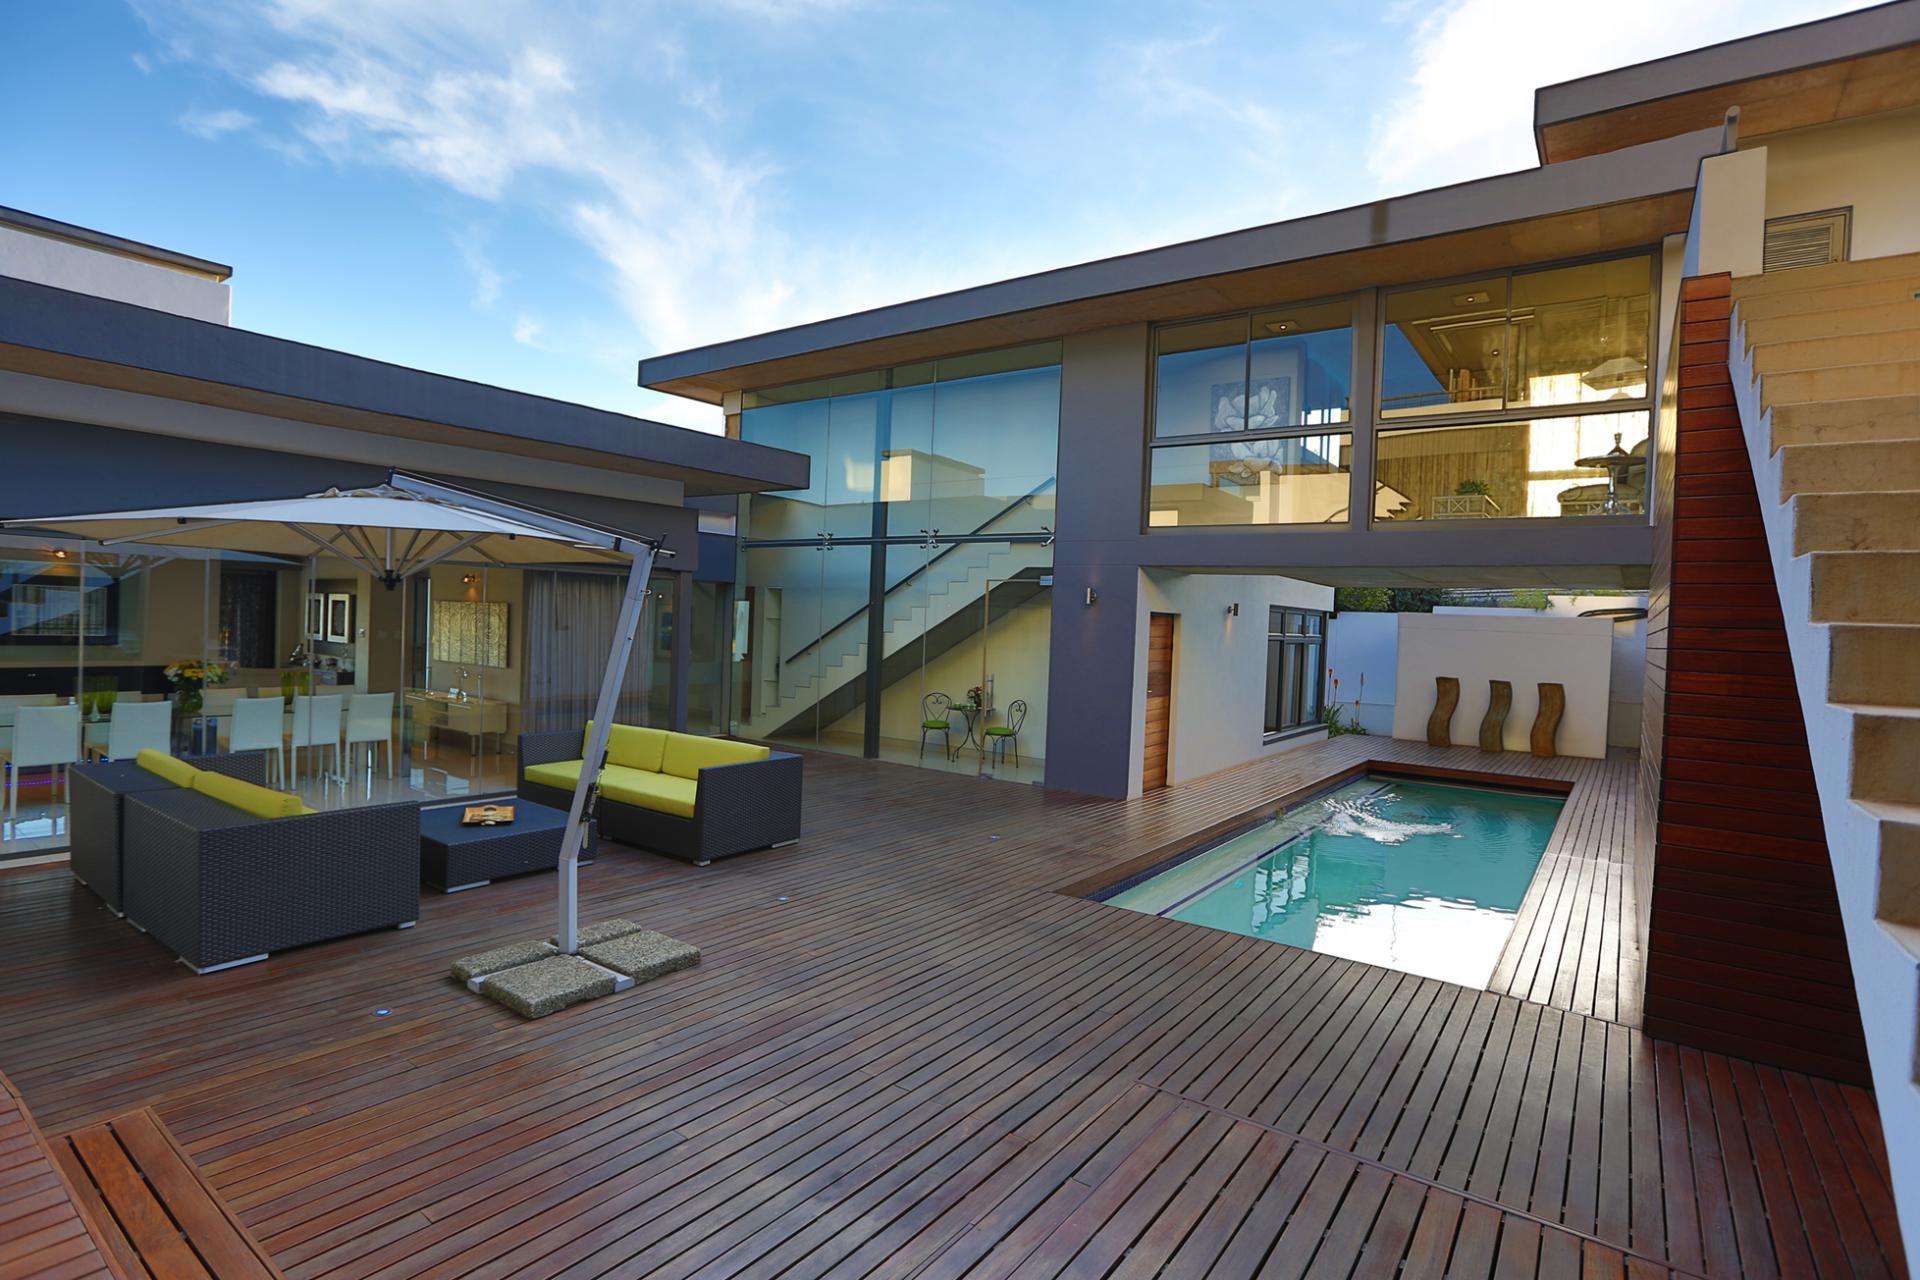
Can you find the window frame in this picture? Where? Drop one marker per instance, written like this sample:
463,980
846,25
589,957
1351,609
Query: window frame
1383,425
1350,427
1316,640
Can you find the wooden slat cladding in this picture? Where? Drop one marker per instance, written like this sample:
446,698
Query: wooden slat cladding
1153,739
1745,953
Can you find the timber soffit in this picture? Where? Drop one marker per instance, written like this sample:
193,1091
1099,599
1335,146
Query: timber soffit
1638,174
1801,74
78,337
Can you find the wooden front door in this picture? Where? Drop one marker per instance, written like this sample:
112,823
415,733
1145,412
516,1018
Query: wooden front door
1153,744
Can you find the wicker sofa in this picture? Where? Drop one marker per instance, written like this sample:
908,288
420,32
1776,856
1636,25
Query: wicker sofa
98,806
221,887
683,795
223,871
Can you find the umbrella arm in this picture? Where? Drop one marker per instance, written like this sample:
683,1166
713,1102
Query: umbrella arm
586,787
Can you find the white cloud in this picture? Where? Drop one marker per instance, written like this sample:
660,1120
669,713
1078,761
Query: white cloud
527,332
1466,107
215,124
471,244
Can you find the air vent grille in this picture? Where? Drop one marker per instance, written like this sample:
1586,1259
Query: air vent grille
1806,240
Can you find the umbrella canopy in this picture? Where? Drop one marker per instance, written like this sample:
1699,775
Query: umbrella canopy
391,530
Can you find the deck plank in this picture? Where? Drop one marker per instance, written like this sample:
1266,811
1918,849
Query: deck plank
913,1047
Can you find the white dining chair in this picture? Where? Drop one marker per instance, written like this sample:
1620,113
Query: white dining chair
136,725
316,723
258,724
43,737
370,722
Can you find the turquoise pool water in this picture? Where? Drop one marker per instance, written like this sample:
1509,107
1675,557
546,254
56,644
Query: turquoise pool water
1422,877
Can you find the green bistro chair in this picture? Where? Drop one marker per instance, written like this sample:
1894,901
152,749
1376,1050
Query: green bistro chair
1000,735
936,716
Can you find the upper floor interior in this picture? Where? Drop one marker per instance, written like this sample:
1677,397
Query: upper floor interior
1303,395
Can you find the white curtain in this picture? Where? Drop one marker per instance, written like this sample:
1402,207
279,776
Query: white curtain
570,624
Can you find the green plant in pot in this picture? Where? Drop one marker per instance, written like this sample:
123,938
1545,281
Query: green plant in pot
1474,489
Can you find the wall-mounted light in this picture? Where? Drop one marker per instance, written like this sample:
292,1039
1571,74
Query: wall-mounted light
469,578
1092,595
1233,610
59,553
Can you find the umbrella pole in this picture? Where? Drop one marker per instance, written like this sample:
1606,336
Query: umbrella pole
569,934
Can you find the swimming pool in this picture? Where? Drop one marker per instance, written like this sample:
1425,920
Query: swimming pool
1424,877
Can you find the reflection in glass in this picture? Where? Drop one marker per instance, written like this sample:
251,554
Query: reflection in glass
1580,334
1444,349
1300,370
1582,465
1200,378
1296,480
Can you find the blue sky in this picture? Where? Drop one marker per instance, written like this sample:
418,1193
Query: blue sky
537,194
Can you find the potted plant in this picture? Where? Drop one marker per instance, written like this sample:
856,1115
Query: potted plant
1470,499
190,680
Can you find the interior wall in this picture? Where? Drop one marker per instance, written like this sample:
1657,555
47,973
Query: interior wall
503,684
1524,650
1871,163
1219,665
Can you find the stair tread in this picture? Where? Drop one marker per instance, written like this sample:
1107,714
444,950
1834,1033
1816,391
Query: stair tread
1887,710
1892,811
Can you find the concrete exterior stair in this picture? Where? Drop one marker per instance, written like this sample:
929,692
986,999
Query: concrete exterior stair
1826,372
1865,521
1847,421
1843,382
1863,466
1836,322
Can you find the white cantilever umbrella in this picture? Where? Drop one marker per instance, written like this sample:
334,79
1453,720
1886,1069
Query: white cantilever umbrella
395,530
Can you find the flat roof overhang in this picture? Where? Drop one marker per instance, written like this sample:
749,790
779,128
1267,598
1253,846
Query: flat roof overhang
120,246
76,337
1621,200
1838,68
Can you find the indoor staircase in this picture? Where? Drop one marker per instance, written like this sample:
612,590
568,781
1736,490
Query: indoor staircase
1825,363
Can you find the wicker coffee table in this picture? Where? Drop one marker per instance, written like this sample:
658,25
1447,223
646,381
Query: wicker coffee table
453,857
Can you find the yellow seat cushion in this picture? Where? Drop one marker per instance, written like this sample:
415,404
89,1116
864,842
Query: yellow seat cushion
261,802
172,768
687,754
661,792
561,774
636,747
632,745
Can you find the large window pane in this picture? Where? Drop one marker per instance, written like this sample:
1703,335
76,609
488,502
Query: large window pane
1579,334
1200,378
1584,465
1444,349
1297,480
1302,367
995,449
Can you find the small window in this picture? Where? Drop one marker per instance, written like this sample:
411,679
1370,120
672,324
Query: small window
1295,667
1806,240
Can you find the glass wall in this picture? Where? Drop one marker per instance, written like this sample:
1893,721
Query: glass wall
1540,378
886,587
1262,388
357,692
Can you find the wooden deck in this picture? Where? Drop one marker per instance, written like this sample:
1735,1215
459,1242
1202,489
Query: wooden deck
906,1054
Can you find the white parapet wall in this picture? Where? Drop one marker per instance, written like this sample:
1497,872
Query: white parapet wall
1523,649
83,269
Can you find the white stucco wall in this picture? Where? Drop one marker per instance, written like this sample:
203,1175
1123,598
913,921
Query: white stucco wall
1871,164
1522,648
1627,662
65,265
1219,666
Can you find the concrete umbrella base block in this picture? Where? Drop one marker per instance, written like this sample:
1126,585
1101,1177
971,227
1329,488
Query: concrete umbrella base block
643,955
605,931
550,985
498,960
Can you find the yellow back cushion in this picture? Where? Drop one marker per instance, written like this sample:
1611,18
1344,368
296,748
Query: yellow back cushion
259,801
172,768
689,753
634,747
